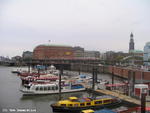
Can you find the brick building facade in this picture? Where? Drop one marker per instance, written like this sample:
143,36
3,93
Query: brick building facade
53,52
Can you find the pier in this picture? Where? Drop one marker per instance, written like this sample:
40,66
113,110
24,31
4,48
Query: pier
119,95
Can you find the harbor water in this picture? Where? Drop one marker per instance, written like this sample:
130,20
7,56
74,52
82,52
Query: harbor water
13,101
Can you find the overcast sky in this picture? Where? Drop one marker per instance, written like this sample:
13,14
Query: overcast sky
101,25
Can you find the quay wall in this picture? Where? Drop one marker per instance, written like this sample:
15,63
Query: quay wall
89,68
123,72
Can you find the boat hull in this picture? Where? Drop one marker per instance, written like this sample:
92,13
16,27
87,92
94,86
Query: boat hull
78,109
26,92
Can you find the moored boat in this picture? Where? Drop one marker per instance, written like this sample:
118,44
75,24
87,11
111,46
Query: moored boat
43,88
27,80
73,104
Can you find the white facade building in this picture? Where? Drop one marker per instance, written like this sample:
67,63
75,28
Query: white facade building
147,53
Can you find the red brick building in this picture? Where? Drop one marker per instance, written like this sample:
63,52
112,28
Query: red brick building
53,52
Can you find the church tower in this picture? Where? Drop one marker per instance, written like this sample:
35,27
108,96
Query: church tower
131,43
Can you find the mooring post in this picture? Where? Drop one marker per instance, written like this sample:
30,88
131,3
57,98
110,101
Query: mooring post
129,82
38,72
103,69
79,70
96,75
143,101
60,74
112,75
93,78
142,76
133,82
29,68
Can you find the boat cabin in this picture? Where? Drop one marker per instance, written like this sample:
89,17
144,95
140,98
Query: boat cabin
42,87
84,102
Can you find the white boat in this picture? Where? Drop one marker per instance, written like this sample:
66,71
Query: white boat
49,88
19,70
52,70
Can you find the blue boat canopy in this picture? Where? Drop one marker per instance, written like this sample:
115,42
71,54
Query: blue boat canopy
104,111
82,76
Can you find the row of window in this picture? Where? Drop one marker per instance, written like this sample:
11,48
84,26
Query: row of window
87,104
44,88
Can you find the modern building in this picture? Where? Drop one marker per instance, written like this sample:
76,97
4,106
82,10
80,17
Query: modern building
2,58
91,54
112,55
78,52
147,54
49,51
27,55
16,58
131,43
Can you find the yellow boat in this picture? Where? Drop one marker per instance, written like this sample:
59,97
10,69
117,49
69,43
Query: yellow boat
74,104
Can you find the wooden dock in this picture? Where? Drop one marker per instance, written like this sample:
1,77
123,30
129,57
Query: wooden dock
123,97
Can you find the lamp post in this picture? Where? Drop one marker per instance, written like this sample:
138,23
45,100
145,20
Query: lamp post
143,100
60,74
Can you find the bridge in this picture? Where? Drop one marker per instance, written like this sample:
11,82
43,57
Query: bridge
63,61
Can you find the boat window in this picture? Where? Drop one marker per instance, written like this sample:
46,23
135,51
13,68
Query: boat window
98,102
37,88
28,87
52,88
63,105
45,88
41,88
56,87
107,101
82,104
75,105
49,88
88,103
70,105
